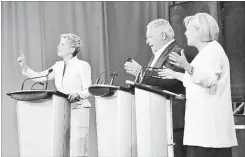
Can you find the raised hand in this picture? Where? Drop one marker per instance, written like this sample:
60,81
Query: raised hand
132,67
21,59
178,60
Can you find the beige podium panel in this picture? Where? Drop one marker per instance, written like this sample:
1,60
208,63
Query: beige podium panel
44,127
151,124
115,120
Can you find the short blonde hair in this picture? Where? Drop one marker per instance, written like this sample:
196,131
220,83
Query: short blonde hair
163,25
209,29
74,40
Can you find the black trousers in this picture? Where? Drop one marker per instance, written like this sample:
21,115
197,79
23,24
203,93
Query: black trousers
195,151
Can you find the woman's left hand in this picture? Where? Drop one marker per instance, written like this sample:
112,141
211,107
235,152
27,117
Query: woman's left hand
73,96
178,60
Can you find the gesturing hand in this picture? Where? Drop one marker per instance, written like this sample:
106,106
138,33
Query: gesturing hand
132,67
21,59
178,60
166,73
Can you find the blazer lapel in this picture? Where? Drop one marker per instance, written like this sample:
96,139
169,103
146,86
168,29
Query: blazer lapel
164,55
151,60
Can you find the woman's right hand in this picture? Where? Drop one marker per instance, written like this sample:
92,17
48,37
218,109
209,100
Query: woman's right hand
178,60
166,73
21,61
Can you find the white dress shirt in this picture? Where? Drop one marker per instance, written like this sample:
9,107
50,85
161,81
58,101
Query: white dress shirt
159,52
209,120
76,79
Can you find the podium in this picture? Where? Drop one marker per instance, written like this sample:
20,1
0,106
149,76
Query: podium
154,121
115,121
43,119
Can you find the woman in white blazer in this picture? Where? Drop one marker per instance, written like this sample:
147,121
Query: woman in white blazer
72,76
209,123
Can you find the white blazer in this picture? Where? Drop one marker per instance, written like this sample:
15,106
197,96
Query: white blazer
209,120
76,79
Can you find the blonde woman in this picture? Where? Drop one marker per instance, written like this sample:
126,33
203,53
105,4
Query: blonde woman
209,123
72,76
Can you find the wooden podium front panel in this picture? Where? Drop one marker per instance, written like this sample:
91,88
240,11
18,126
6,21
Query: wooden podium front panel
151,124
43,127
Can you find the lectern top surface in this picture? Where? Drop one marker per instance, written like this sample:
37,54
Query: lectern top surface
33,91
30,95
105,89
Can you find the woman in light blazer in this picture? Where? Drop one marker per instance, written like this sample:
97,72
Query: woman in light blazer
209,123
73,77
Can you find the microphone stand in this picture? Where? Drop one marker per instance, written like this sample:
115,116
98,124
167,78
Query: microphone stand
46,83
22,86
113,75
103,81
113,78
98,79
36,83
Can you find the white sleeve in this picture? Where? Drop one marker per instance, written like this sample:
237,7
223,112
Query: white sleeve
208,73
185,80
86,81
30,74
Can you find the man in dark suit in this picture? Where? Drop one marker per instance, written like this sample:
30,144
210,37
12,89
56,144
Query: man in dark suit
160,37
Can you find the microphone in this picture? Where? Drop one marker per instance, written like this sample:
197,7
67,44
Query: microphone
49,71
117,66
98,79
114,72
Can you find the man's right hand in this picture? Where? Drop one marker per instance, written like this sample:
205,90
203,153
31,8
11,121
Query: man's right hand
132,67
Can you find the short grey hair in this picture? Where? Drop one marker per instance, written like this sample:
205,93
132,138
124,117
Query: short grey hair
163,25
75,41
209,29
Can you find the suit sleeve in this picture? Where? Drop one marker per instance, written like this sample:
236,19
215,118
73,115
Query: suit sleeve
170,83
166,84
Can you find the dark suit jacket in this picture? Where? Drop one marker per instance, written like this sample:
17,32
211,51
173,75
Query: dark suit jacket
172,85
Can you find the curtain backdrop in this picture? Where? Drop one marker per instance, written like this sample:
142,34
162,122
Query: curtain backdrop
110,31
